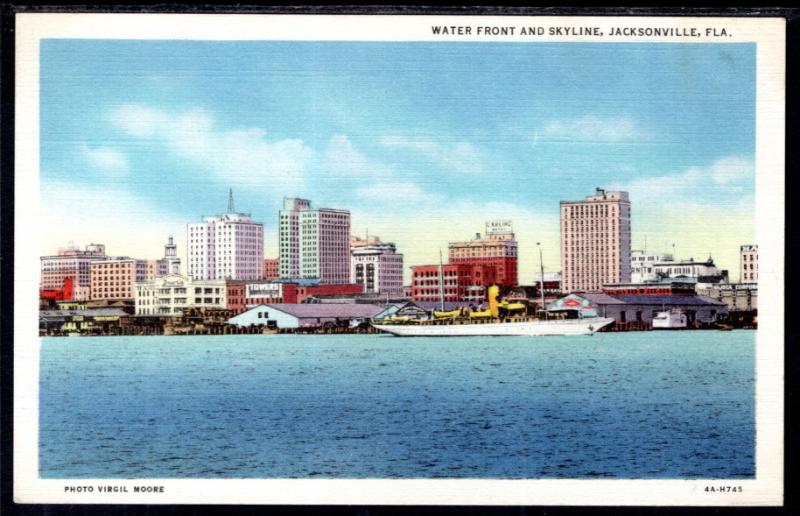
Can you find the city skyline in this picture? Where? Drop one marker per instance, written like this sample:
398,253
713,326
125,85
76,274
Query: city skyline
421,142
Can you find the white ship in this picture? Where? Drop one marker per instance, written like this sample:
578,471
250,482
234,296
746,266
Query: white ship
570,317
534,327
669,320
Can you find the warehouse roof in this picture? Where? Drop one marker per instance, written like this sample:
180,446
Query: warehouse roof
644,299
600,298
638,299
102,312
316,310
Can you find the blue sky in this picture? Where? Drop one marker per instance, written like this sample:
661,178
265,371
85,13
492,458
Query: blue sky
421,141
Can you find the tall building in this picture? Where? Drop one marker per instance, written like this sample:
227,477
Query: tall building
377,266
229,246
643,265
314,243
595,241
748,264
498,249
114,278
70,262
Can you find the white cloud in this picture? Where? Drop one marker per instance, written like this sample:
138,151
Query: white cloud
341,157
729,174
139,121
731,169
106,214
109,161
238,155
409,194
689,208
592,129
462,157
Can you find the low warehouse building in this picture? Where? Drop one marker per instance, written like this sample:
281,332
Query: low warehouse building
641,308
285,315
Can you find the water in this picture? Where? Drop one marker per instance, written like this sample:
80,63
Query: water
624,405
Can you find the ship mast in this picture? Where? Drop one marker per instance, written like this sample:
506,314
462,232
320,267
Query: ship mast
541,265
441,281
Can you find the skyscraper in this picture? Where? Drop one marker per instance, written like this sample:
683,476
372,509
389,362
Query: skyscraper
314,243
229,246
595,241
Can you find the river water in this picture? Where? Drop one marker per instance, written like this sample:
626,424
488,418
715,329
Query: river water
614,405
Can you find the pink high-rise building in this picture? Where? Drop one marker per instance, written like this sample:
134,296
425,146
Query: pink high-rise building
595,241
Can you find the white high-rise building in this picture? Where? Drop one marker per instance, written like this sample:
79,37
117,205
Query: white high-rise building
314,243
376,265
229,246
595,241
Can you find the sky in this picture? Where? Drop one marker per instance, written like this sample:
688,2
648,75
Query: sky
422,142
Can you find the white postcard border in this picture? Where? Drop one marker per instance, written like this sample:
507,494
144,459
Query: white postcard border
765,489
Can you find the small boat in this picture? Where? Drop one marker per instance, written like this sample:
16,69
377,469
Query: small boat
670,320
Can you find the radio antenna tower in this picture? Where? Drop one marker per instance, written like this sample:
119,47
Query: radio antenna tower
230,200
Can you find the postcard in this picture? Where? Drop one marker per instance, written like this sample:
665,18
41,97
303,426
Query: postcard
430,260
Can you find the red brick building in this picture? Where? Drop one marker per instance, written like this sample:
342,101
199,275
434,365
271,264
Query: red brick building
651,289
65,293
234,295
271,269
241,294
505,267
302,293
497,249
462,282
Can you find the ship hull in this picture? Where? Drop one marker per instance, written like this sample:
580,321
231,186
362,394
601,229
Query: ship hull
585,326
